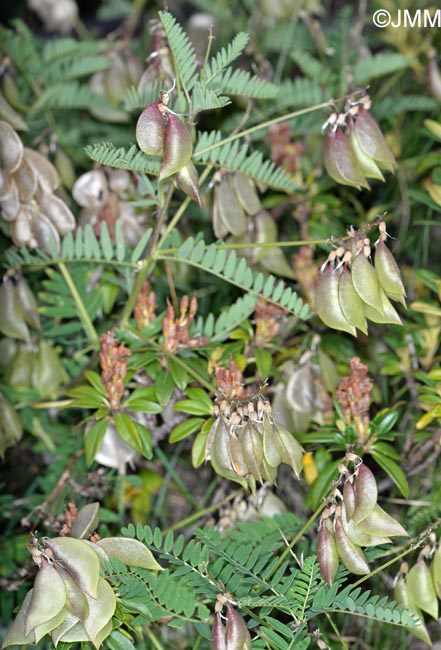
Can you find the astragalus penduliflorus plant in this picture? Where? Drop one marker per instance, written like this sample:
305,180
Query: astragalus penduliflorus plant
219,348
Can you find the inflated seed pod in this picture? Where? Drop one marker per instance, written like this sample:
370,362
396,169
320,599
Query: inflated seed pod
380,524
349,499
356,535
57,212
11,427
150,129
49,373
246,193
21,232
19,374
365,281
187,180
252,448
327,553
238,460
12,322
79,560
372,141
8,350
231,213
47,176
220,454
10,200
340,160
218,634
388,273
90,189
368,165
350,302
48,597
401,595
28,303
11,149
271,451
290,450
350,554
65,168
237,636
44,233
436,570
366,493
26,180
178,146
389,314
421,588
327,303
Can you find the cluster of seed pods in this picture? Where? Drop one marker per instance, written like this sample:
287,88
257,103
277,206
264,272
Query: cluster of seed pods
71,600
27,200
18,308
160,132
354,520
355,148
245,444
419,588
234,635
235,199
350,289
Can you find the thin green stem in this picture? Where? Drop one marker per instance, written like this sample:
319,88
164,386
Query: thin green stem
207,53
144,267
264,125
203,512
82,312
301,532
336,632
154,640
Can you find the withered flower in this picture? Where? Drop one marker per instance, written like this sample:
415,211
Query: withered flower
113,361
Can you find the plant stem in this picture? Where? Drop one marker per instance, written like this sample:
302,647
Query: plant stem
82,312
202,513
264,125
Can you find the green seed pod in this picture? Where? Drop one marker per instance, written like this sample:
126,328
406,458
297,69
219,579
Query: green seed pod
246,193
252,448
220,454
150,130
358,536
65,168
237,636
79,560
402,597
327,553
12,322
271,452
327,303
340,160
231,213
365,488
187,180
8,350
10,115
388,273
368,165
436,570
237,456
350,302
389,314
19,374
421,588
16,634
28,303
350,554
86,521
371,140
11,427
381,524
366,283
48,598
291,452
178,146
11,91
76,601
129,551
49,372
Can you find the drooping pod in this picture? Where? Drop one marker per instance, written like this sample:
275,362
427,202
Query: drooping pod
187,180
12,320
350,554
178,146
150,129
388,273
340,160
365,488
421,588
401,595
366,283
327,553
327,303
350,302
372,141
